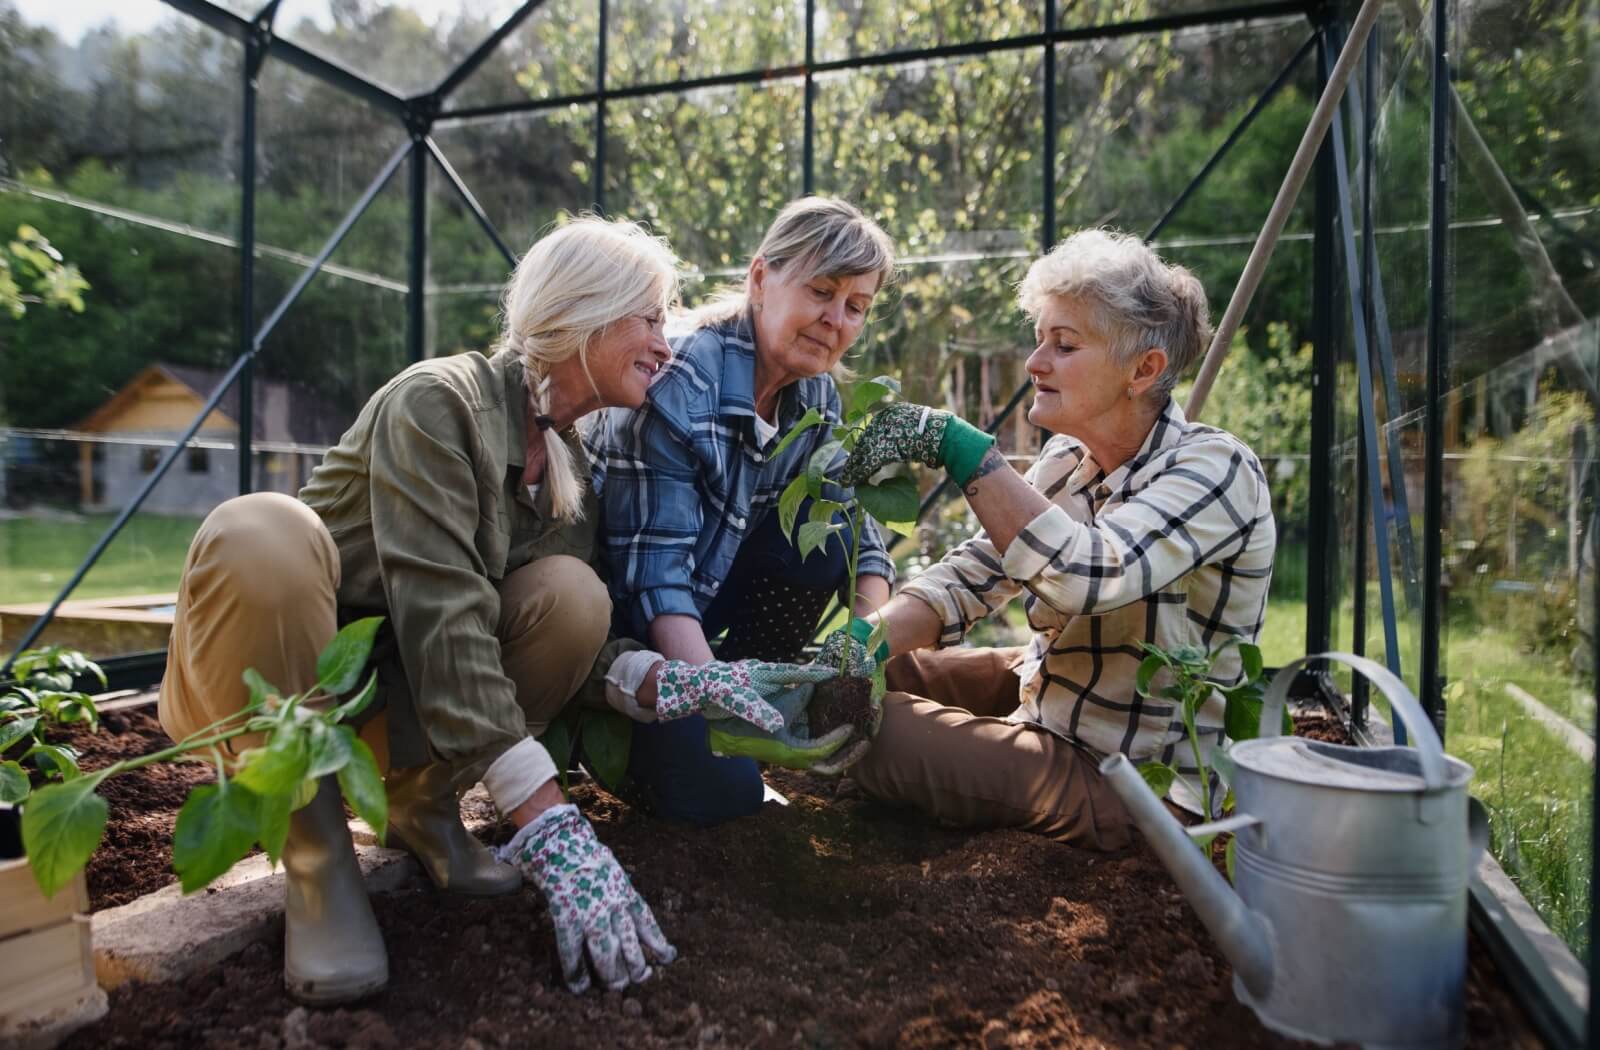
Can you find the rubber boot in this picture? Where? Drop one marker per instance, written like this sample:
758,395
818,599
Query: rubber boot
333,951
425,821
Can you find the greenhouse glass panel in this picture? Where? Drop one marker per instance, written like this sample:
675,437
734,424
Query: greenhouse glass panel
656,42
1520,439
117,127
853,28
1138,117
552,53
708,169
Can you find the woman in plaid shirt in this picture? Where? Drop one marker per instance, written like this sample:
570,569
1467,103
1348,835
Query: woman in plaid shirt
689,486
1134,525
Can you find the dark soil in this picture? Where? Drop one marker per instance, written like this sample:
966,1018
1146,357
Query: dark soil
135,856
837,701
829,922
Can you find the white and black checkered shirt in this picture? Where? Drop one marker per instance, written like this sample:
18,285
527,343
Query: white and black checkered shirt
1174,547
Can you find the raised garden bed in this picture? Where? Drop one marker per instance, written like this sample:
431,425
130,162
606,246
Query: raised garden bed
833,921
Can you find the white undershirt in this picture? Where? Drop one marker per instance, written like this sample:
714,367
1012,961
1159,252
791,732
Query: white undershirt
765,431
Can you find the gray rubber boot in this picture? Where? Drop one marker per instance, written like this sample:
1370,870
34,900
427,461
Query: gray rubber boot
425,821
332,949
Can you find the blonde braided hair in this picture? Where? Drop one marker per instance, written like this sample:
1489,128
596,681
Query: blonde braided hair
568,289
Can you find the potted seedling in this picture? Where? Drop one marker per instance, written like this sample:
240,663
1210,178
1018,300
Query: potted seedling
304,737
893,502
1188,683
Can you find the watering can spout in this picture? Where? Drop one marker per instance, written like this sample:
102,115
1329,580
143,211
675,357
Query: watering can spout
1242,935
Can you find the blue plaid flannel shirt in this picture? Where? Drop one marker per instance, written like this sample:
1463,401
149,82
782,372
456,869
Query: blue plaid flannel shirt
684,479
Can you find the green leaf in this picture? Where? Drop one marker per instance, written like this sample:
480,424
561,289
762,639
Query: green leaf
1147,671
272,826
327,748
53,760
1227,856
1241,718
557,739
607,739
863,396
61,826
891,501
358,703
814,534
340,665
216,827
1250,655
260,689
13,783
889,383
823,510
280,766
1205,841
1159,776
789,502
817,466
16,729
362,785
879,635
1225,766
803,424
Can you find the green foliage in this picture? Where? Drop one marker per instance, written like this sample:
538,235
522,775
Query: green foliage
605,736
32,272
40,697
62,823
1185,678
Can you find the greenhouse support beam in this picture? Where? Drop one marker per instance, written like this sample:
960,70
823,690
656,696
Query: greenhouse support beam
243,362
1164,23
1440,302
319,66
417,270
469,200
599,191
808,161
1369,413
255,53
1326,329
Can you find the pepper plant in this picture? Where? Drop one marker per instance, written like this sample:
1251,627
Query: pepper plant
893,501
1189,684
64,818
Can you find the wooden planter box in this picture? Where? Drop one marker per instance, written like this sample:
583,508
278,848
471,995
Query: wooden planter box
47,984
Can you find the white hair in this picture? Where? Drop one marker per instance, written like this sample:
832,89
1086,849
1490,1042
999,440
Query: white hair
1135,300
567,290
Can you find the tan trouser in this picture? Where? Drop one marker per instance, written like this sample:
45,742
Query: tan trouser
259,591
946,748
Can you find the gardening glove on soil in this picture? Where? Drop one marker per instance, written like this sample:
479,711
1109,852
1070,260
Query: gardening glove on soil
722,691
592,903
790,745
907,433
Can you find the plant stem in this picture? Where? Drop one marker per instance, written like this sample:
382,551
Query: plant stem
1199,763
855,516
127,765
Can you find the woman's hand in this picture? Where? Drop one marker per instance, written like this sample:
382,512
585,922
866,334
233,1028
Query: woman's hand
907,433
592,903
723,690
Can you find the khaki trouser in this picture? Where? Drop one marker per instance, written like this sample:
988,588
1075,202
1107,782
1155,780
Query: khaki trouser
259,590
946,748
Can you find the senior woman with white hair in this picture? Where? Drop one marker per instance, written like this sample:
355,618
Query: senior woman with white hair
1134,525
457,507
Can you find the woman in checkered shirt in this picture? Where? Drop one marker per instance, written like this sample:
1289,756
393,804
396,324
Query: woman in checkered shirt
1134,525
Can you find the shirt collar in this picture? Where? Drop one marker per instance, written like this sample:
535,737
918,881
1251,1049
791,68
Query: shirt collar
1164,433
509,365
738,394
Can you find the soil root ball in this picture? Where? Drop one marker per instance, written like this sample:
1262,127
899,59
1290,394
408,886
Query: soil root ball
838,701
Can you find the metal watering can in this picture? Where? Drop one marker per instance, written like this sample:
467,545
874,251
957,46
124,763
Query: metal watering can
1350,918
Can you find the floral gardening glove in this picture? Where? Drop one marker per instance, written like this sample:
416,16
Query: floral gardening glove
790,745
907,433
591,901
728,690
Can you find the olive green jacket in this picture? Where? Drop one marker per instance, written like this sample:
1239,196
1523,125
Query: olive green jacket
424,498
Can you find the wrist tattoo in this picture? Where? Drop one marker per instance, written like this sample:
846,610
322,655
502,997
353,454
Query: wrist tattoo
991,462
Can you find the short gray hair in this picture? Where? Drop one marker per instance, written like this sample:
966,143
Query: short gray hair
811,237
1134,299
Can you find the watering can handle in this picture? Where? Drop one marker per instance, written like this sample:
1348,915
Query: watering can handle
1401,702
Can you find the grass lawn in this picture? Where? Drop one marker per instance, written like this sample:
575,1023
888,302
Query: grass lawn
38,556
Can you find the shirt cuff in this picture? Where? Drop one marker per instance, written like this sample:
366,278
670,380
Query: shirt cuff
623,679
512,778
876,563
952,625
1040,543
666,601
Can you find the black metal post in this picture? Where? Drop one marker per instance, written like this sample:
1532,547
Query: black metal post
1430,684
470,64
417,272
808,173
1047,219
255,53
1321,535
471,202
1360,688
599,193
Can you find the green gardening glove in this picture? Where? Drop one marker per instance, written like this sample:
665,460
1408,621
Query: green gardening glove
790,746
907,433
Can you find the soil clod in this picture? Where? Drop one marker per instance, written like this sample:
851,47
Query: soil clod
838,701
